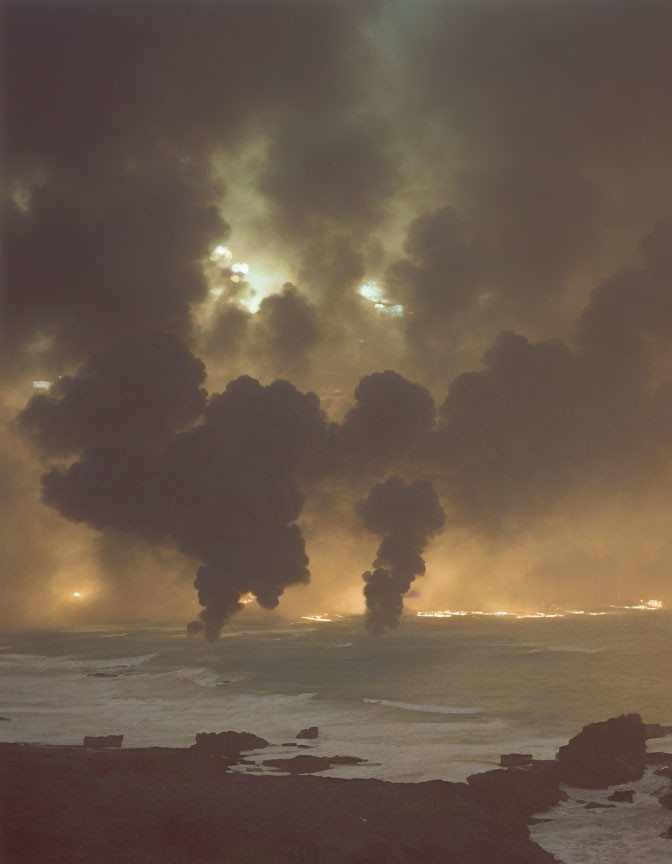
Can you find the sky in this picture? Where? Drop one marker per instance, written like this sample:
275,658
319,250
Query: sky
320,291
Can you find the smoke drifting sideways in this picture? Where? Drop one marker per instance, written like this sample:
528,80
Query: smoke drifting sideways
408,515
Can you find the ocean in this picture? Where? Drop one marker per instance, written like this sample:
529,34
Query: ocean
441,698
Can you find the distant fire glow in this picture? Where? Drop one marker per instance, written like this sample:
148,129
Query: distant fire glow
76,594
648,605
321,618
41,385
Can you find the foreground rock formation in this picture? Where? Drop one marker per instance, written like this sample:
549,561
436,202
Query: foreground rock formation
604,754
186,806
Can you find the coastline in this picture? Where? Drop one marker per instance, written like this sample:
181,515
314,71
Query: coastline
67,804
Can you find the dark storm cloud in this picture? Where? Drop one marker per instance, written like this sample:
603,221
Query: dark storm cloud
318,176
94,256
407,515
544,125
95,83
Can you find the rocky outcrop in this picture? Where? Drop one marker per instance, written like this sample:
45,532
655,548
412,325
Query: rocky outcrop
515,760
655,730
102,742
518,791
667,835
310,732
604,754
595,805
310,764
228,743
624,796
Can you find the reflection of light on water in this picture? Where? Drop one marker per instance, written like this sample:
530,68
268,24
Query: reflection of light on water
315,618
649,605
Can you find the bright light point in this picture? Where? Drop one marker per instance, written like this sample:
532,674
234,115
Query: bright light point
235,278
216,292
654,604
322,618
371,291
396,311
41,385
380,306
221,253
244,599
240,268
76,594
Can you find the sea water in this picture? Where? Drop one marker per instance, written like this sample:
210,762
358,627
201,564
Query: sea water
437,699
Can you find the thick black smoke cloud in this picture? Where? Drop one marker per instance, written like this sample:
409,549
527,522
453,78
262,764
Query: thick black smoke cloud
140,388
407,515
224,492
488,163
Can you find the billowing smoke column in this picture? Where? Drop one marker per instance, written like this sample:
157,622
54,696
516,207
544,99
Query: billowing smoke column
224,491
407,515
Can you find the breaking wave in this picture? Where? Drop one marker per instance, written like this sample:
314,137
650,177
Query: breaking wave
425,709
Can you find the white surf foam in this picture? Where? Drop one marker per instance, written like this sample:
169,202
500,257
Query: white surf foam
571,649
620,834
40,663
425,709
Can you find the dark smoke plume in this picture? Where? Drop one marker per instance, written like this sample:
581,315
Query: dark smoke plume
407,515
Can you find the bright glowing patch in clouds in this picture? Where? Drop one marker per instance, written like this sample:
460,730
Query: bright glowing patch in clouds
221,255
41,385
76,594
241,268
373,291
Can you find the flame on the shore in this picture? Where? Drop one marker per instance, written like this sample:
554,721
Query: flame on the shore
322,618
648,605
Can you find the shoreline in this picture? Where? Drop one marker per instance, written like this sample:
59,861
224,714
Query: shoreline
67,804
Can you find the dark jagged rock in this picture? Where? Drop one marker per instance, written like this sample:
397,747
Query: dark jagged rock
666,800
667,835
5,719
655,730
310,764
228,743
623,796
604,754
289,745
595,805
520,791
310,732
515,760
166,806
102,742
658,758
665,772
